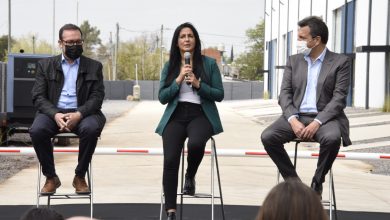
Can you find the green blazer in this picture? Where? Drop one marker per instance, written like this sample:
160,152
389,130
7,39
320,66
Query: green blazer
209,93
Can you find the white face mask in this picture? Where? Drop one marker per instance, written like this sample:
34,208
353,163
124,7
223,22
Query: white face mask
302,47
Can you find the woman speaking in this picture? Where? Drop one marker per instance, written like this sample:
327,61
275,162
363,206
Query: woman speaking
190,83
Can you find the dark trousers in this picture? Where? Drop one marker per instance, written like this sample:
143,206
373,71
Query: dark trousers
280,132
188,120
44,128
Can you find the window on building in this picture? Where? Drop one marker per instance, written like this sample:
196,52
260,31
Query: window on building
287,46
344,22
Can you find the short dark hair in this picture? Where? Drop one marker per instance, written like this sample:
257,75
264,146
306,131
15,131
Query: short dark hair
317,27
69,27
42,213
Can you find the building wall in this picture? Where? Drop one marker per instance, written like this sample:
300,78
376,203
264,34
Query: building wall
282,16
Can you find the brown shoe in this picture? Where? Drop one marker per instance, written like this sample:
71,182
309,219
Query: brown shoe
51,185
80,185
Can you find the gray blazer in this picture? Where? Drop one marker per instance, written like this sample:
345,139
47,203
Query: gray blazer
332,89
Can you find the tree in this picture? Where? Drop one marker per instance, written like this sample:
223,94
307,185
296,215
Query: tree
251,62
143,52
91,38
4,47
31,43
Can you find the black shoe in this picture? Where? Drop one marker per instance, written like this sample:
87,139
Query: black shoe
317,188
171,215
189,186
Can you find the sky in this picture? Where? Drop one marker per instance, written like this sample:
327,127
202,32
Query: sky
217,21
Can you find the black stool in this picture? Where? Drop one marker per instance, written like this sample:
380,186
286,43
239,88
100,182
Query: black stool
214,159
331,203
66,195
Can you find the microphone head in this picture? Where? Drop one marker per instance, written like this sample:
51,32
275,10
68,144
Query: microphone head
187,57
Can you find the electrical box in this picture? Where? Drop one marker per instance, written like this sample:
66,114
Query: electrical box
19,110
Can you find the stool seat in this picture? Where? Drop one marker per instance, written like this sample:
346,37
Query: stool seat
331,203
73,195
212,196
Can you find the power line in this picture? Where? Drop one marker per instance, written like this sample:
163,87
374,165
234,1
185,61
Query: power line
170,29
211,34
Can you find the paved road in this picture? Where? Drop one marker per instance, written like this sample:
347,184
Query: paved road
245,180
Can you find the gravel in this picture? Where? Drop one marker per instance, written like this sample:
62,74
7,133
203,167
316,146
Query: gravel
10,165
381,167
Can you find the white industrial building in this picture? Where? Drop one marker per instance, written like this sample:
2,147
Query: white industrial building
358,28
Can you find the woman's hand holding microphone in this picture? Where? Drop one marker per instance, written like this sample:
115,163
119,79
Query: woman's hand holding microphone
189,77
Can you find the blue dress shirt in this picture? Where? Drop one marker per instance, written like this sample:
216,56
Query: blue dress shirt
309,102
68,97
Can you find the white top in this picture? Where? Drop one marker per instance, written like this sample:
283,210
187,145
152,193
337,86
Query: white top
188,94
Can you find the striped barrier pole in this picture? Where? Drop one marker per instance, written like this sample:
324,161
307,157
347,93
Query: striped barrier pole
220,152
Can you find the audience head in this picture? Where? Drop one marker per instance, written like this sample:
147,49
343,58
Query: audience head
292,200
42,213
80,218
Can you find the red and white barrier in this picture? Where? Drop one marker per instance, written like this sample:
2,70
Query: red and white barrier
220,152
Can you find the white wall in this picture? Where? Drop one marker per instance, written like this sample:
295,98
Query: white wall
361,26
377,60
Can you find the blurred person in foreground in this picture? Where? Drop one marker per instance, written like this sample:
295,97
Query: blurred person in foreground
292,200
312,97
190,87
42,214
68,93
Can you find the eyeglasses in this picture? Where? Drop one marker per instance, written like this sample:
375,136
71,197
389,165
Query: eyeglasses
72,43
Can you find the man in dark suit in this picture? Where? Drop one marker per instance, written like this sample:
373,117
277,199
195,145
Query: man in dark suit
68,93
312,97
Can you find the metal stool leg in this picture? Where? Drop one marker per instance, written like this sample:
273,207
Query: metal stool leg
295,154
295,161
162,202
212,182
181,190
332,197
218,176
214,159
67,196
38,184
182,183
90,184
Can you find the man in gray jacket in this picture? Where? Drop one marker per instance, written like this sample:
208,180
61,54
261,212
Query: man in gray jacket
68,93
312,97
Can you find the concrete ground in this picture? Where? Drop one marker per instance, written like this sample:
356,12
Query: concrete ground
245,180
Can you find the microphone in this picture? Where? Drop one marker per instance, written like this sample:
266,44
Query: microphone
187,60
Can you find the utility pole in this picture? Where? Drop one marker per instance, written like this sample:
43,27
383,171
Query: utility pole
33,44
9,26
161,49
111,57
77,13
54,27
116,53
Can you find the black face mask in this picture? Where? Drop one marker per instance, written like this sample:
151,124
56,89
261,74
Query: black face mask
73,52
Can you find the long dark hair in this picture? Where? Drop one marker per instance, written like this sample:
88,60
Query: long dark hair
175,56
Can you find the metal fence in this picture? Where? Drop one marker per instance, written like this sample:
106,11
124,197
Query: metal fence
236,90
